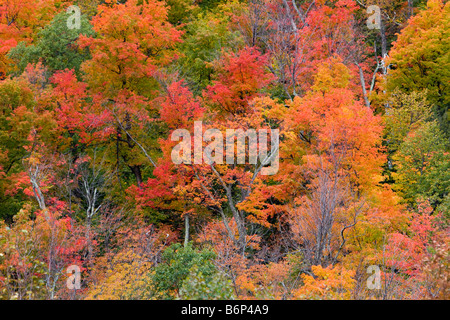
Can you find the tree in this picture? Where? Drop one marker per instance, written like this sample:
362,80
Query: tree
419,59
36,254
198,287
126,54
175,267
240,78
205,39
216,185
55,45
16,118
125,58
406,113
423,165
262,149
20,21
303,35
126,270
327,283
332,164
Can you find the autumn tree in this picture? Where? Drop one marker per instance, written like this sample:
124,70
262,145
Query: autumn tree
205,39
16,115
331,135
261,149
20,21
55,46
125,58
419,59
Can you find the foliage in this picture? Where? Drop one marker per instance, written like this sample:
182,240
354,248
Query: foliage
56,46
176,264
420,58
354,173
198,287
423,165
327,283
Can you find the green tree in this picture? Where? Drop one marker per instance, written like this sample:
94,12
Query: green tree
177,261
181,11
56,46
206,37
407,112
423,165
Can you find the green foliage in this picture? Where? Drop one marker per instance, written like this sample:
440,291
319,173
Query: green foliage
175,267
407,112
206,38
181,11
444,208
56,46
199,287
423,165
209,4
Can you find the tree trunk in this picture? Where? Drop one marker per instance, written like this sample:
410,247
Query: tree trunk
89,242
186,230
383,39
136,169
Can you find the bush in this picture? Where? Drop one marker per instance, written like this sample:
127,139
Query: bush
177,261
199,287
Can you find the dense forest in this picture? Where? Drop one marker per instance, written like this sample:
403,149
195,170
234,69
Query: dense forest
214,149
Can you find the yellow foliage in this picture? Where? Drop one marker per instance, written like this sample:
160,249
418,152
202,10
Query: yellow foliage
128,279
331,74
328,283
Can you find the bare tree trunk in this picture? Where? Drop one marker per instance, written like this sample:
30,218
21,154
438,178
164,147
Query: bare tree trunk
89,242
363,85
383,39
410,8
186,230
